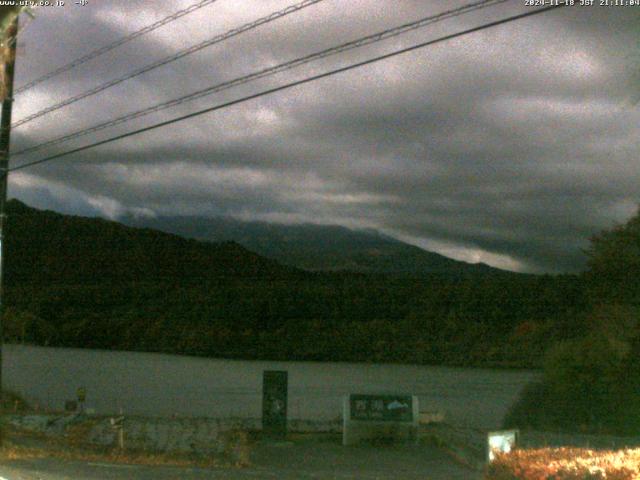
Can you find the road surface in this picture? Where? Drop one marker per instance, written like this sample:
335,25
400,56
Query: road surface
285,460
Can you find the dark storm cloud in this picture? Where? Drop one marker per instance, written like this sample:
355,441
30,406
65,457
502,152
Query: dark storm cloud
512,146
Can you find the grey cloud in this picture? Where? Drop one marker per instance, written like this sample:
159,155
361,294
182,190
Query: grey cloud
519,141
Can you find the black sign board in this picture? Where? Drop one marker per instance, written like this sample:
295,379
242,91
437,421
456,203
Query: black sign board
382,408
274,403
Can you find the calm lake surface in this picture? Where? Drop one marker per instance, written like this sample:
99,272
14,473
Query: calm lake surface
157,384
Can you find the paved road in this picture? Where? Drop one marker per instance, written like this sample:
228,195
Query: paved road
286,461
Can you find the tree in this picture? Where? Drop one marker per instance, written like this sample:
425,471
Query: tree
613,274
589,383
592,380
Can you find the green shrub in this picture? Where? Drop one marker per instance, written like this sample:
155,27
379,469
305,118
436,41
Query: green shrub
532,409
589,383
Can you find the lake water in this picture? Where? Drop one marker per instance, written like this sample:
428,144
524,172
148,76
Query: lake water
157,384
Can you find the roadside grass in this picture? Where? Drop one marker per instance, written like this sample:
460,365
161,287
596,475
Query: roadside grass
26,445
565,464
9,451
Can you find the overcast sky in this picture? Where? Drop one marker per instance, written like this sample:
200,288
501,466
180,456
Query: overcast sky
511,146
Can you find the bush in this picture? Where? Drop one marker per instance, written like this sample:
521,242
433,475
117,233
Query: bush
589,383
236,447
565,464
582,379
532,409
12,402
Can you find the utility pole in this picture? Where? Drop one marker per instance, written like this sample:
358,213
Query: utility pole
9,50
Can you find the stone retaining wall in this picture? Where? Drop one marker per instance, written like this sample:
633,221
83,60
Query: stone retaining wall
197,435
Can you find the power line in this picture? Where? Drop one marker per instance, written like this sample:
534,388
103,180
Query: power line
290,85
117,43
360,42
188,51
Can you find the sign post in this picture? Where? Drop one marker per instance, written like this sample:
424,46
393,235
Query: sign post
274,403
117,423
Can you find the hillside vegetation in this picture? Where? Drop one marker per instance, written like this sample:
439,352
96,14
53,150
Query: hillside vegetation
83,282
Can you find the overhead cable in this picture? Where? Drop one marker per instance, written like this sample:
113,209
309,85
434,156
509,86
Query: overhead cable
290,85
188,51
360,42
96,53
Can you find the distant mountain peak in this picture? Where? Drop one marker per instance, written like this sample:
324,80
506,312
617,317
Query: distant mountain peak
317,247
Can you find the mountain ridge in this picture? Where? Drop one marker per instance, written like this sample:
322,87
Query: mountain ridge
317,247
68,248
86,282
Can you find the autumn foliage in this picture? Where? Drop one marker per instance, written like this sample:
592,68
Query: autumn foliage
565,464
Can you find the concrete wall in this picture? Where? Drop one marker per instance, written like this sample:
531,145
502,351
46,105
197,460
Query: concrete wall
200,435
